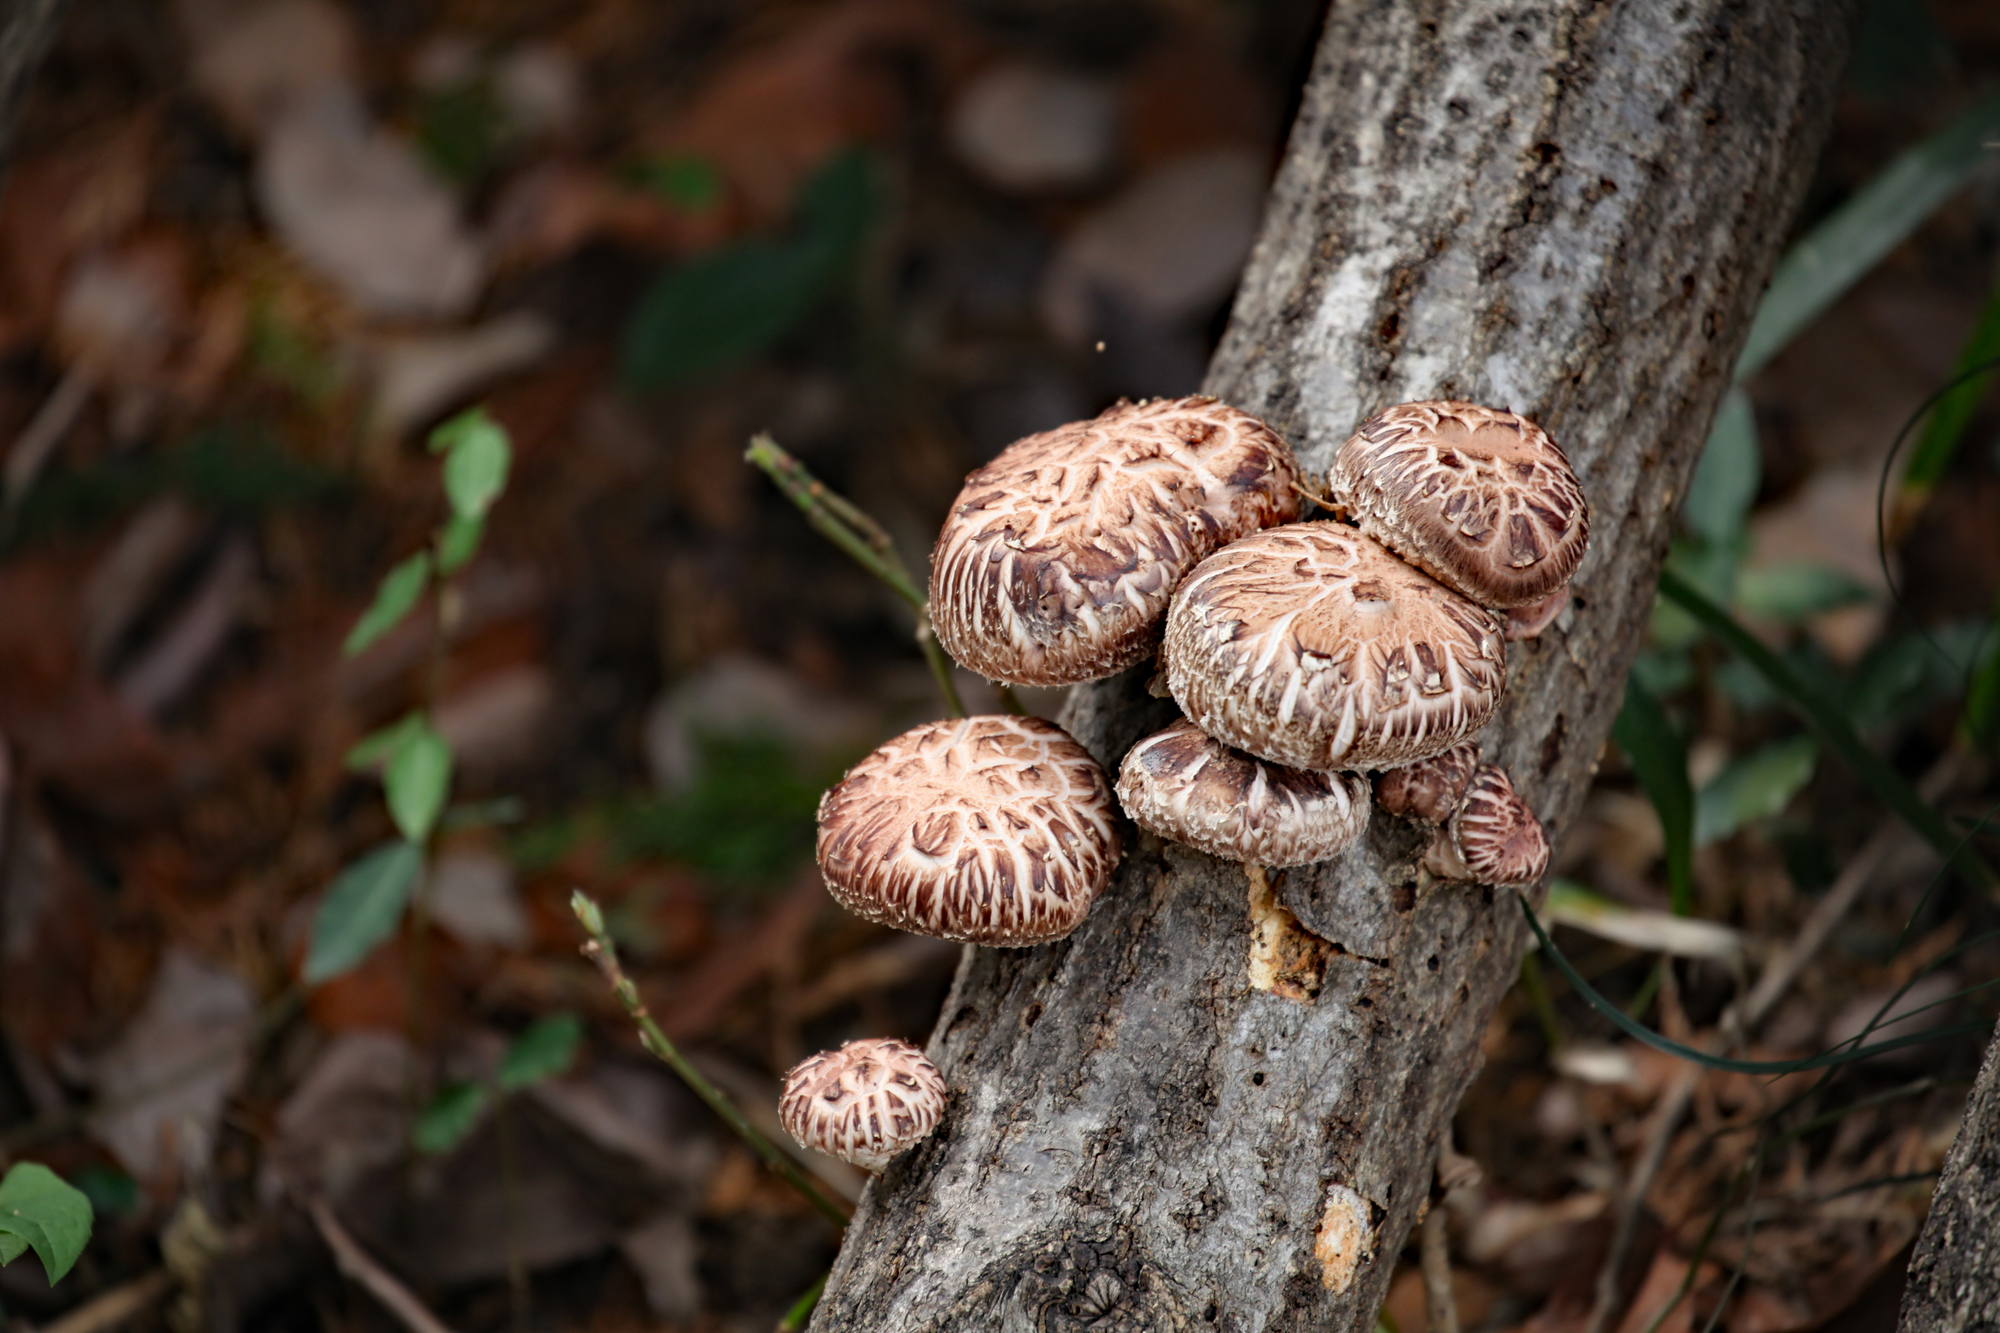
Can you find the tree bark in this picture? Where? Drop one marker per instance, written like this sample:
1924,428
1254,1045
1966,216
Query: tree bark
1567,208
1954,1282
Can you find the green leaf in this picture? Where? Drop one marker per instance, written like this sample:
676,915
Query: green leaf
692,183
1789,593
375,748
401,587
1831,722
1725,480
1659,759
458,541
361,909
1982,695
1954,412
451,1116
417,780
545,1050
1818,269
41,1211
476,459
1753,787
727,306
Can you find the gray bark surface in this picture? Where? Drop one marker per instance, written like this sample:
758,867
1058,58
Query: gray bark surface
1569,209
1954,1284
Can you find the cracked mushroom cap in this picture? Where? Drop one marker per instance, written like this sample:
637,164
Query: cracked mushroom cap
865,1103
1430,790
990,830
1058,557
1494,838
1187,787
1313,647
1480,499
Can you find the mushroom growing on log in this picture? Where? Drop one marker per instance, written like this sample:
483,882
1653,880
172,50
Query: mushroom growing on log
1570,208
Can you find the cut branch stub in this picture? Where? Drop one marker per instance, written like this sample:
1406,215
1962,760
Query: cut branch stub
991,830
1058,557
1313,647
1187,787
1482,500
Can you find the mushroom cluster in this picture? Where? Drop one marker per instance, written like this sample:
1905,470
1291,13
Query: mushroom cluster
1304,655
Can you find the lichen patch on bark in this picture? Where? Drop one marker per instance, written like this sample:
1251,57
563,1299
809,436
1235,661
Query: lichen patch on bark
1286,959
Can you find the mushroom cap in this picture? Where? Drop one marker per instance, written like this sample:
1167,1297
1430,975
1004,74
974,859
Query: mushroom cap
1058,557
1430,790
1313,647
990,830
1494,838
1480,499
864,1103
1190,788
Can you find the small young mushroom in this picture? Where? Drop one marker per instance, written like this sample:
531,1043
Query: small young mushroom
1190,788
1494,838
1057,560
991,830
865,1103
1480,499
1429,790
1313,647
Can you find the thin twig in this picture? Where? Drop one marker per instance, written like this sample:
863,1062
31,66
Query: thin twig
865,541
1740,1018
1434,1254
117,1306
383,1285
601,951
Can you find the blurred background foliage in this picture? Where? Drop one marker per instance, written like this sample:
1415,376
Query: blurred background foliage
251,254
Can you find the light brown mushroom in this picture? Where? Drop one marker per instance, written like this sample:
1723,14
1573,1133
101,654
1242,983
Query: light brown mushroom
866,1103
1313,647
990,830
1190,788
1058,557
1493,838
1480,499
1428,791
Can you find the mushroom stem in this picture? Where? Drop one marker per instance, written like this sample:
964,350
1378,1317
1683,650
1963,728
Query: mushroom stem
600,951
866,542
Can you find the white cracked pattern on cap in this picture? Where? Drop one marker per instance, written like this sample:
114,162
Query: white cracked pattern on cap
1429,790
991,830
1058,557
1313,647
1187,787
866,1103
1494,838
1480,499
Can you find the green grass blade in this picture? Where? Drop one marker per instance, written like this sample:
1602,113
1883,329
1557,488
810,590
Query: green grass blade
1659,758
1954,412
1831,258
1826,718
1635,1029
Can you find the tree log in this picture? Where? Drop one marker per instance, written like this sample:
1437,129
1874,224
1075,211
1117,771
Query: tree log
1569,209
1954,1284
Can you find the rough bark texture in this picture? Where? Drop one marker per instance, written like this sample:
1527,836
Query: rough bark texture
1954,1282
1568,209
25,28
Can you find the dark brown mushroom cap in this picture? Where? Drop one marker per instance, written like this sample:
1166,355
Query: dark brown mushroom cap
1428,791
1480,499
1313,647
1493,839
991,830
1187,787
864,1103
1058,557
